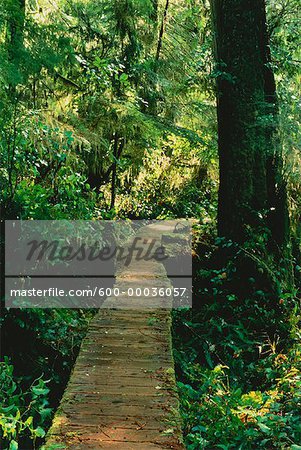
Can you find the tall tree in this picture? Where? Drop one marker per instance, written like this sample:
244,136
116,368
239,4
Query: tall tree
252,188
14,35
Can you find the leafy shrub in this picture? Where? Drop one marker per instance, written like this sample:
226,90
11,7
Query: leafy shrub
218,413
52,339
44,177
24,415
238,354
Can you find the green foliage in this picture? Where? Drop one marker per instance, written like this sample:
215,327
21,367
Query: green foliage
42,177
218,413
172,183
238,366
22,413
54,337
98,79
284,29
60,329
238,353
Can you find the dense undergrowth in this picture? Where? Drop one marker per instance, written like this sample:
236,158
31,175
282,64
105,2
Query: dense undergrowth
40,348
238,358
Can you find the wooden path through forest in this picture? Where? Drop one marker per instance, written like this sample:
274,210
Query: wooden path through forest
122,392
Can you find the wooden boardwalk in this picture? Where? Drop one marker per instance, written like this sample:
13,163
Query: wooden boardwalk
122,392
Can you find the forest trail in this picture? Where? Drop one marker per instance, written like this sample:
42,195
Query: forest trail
122,392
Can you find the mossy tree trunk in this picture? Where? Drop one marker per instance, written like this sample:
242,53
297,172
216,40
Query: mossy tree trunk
252,194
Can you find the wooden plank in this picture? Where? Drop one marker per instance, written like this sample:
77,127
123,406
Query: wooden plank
121,394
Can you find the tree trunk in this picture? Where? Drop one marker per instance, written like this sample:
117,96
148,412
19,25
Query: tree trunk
161,32
114,171
252,189
15,38
15,29
118,147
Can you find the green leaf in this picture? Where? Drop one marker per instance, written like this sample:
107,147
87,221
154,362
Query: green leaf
123,77
264,428
45,413
13,445
39,391
39,432
8,409
28,421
